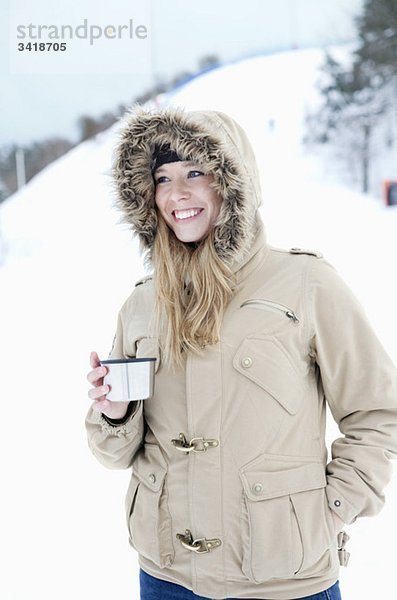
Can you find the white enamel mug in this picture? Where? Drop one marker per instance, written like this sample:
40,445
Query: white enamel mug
129,379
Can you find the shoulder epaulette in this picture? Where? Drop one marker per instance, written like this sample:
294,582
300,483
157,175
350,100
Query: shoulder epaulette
315,253
143,280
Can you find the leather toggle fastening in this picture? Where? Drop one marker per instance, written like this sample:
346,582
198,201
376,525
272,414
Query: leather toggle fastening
343,554
197,444
200,545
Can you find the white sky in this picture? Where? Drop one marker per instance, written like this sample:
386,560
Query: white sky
36,106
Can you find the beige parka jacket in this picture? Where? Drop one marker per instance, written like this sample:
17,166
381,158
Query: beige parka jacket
231,488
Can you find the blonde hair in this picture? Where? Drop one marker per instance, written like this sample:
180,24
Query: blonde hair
192,289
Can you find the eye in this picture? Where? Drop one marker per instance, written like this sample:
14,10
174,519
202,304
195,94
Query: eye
161,179
195,173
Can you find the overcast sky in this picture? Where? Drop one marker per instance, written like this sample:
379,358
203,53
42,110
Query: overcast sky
35,106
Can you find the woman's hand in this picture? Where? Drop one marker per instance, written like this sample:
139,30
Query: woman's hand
338,523
113,410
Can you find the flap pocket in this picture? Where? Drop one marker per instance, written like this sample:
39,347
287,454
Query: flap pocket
270,477
284,525
265,362
149,519
150,467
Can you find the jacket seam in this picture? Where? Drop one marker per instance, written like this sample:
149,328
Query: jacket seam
312,336
191,465
306,301
308,327
310,311
328,396
221,470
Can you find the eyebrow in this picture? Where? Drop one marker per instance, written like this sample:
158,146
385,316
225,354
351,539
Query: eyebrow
190,163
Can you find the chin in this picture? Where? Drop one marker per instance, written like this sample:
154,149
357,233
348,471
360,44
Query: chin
187,239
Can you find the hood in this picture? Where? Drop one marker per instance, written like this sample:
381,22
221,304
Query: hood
216,142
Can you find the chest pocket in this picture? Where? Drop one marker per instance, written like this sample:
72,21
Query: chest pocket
264,361
267,315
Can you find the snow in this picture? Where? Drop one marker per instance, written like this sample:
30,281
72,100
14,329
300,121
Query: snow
67,268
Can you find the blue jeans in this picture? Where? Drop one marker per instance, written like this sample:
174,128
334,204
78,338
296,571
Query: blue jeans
157,589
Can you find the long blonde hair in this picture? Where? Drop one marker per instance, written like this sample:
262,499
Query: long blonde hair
192,289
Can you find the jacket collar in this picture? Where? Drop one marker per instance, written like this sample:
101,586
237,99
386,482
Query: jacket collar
254,258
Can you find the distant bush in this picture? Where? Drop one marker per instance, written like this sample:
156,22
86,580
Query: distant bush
37,156
90,126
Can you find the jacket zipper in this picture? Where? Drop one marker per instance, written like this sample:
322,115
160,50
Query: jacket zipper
273,305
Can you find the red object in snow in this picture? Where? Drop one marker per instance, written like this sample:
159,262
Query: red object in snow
390,187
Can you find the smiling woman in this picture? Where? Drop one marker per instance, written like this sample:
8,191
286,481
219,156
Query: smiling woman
231,492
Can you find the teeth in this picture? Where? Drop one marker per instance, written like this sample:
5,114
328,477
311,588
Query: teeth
186,214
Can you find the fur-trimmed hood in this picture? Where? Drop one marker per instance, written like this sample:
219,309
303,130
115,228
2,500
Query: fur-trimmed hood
216,142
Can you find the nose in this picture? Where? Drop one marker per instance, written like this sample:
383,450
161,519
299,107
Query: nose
179,190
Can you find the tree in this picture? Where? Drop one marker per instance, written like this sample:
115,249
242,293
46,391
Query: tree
377,30
360,96
4,191
210,61
88,127
352,107
377,49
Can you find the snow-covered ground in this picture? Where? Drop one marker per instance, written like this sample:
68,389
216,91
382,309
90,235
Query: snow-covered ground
67,268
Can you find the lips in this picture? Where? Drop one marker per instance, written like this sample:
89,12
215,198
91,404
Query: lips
186,214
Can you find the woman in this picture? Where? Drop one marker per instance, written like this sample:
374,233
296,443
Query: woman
231,492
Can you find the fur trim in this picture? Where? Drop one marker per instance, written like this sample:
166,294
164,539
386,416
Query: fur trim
212,139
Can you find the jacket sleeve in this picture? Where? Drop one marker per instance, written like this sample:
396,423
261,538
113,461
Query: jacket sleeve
116,445
360,385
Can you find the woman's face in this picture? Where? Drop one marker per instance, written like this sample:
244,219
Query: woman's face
185,199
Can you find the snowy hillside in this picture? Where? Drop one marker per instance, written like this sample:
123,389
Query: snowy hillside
67,268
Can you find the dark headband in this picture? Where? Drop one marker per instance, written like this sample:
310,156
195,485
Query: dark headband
163,155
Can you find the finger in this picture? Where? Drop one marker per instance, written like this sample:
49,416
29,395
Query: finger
94,359
98,393
96,375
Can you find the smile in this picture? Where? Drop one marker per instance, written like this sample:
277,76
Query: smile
189,213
